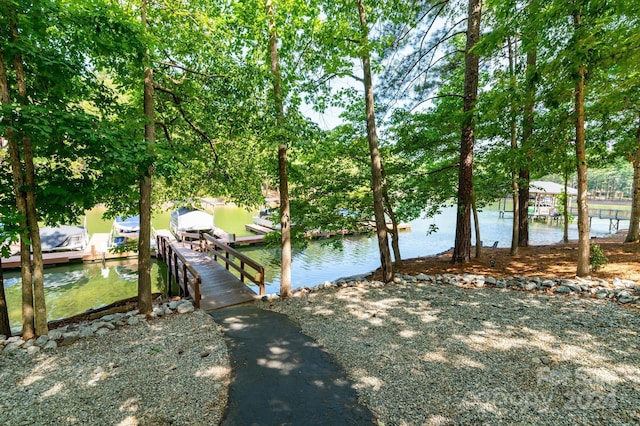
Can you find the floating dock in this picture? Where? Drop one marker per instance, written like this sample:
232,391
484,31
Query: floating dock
96,251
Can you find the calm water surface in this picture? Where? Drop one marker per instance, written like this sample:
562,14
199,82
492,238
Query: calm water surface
74,288
320,262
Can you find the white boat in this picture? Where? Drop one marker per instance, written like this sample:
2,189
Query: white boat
127,230
187,220
63,237
127,225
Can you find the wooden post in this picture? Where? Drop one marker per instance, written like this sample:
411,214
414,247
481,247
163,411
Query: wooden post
185,280
241,271
196,297
175,271
168,260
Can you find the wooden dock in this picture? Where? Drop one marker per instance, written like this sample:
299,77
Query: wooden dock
202,270
96,251
258,229
218,287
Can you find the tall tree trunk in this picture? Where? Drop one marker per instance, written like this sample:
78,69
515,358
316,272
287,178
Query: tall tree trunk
462,248
28,326
515,228
145,302
5,325
634,221
395,238
565,207
39,303
285,207
36,265
285,223
581,165
377,180
527,133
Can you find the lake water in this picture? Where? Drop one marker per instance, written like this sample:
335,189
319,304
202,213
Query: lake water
320,262
72,289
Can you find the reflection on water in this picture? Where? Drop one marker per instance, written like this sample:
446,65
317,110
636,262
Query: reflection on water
74,288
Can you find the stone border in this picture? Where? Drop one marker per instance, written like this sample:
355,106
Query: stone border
67,335
622,291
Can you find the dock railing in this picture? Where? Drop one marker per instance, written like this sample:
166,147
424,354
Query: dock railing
179,268
233,259
605,213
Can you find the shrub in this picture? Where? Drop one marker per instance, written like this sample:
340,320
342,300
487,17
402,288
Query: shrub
597,259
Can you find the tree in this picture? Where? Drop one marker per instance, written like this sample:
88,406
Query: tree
462,248
285,209
377,182
59,119
145,302
21,153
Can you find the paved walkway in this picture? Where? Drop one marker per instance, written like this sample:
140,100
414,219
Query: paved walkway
282,377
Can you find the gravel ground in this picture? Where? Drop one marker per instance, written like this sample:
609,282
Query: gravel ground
174,370
427,354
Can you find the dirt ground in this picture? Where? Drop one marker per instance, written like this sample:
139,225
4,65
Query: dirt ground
548,261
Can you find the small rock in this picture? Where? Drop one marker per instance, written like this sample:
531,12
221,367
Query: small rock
133,321
168,311
14,339
563,289
618,283
12,347
490,281
85,332
51,344
42,340
547,283
33,350
55,334
204,354
625,299
545,360
422,277
185,308
69,338
28,343
99,324
501,284
173,305
530,286
110,317
102,331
